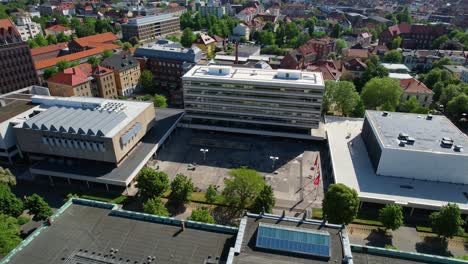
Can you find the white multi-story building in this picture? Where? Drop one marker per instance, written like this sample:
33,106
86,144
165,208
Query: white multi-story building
27,28
254,101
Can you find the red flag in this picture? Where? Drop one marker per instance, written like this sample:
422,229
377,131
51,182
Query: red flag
317,179
316,161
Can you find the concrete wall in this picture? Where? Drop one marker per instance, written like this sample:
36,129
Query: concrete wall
421,165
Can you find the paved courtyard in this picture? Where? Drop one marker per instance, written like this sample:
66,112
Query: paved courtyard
291,176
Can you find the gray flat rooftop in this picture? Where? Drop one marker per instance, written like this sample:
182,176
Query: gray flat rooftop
82,232
353,168
360,258
13,105
121,175
427,133
250,254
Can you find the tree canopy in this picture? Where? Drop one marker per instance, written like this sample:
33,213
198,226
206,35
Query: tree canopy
447,222
382,94
9,203
202,215
151,183
340,97
155,206
340,204
211,194
9,234
146,81
181,190
264,201
391,216
6,177
393,56
242,187
37,207
187,38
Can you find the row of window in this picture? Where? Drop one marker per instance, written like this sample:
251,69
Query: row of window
74,144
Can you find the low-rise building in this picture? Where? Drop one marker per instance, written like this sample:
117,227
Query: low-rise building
126,70
397,71
57,29
240,31
456,70
27,28
70,82
283,103
413,36
353,69
91,42
169,61
423,59
415,88
150,27
206,43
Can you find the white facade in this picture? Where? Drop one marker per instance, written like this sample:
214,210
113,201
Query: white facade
253,100
27,28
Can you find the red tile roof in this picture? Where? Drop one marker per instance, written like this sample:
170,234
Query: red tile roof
94,40
47,49
357,53
74,56
414,86
58,28
99,70
71,77
5,25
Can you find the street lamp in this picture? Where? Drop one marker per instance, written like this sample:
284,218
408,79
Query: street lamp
204,153
274,159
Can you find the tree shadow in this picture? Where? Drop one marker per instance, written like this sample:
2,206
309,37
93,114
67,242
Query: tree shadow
225,215
379,238
175,209
133,203
434,246
24,234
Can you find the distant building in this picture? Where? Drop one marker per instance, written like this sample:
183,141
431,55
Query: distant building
126,71
67,9
57,29
46,9
16,65
423,59
70,82
313,50
169,61
397,71
90,42
150,27
240,31
457,70
247,14
27,28
206,43
416,88
49,52
215,9
353,69
413,36
284,103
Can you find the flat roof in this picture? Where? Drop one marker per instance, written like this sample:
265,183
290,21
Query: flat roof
456,68
13,105
428,134
251,254
139,21
86,234
361,258
400,76
129,167
353,168
83,115
237,74
395,66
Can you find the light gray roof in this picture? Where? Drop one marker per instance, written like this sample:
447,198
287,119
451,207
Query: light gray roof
149,20
72,120
427,133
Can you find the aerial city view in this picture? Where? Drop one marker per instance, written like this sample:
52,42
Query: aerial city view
233,131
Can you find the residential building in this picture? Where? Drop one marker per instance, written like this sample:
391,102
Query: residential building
27,28
240,31
247,14
395,158
66,9
397,71
70,82
456,70
105,80
150,27
213,9
91,42
464,75
46,9
206,43
364,39
169,61
295,10
283,103
126,71
423,59
315,49
349,54
413,36
353,69
57,29
415,88
328,68
16,64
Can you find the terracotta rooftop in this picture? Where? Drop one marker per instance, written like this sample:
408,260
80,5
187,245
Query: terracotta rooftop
71,77
58,28
49,48
75,56
7,31
357,53
95,40
414,86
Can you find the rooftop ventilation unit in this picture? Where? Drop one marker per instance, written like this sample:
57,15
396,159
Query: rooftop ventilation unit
458,148
403,136
289,74
385,113
429,117
219,70
402,143
410,140
446,142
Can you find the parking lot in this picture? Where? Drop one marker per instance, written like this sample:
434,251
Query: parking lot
291,175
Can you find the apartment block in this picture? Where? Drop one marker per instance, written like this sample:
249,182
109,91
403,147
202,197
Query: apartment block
254,101
70,82
150,27
126,72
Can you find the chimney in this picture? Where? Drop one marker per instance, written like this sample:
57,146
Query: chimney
73,71
237,53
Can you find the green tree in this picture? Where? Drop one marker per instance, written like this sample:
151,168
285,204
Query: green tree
37,207
51,39
202,215
9,203
32,44
404,16
126,46
340,204
340,97
107,54
409,105
340,45
6,177
359,110
267,38
49,72
62,65
160,101
187,38
336,31
146,81
41,41
9,234
447,222
94,61
61,37
396,43
393,56
155,206
448,93
439,41
211,194
134,41
264,201
243,187
391,216
372,71
381,93
181,190
457,107
151,183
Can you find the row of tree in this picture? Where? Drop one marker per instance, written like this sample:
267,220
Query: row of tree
341,205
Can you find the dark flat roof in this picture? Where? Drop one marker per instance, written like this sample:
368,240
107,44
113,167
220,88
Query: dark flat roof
361,258
250,254
108,173
92,229
15,104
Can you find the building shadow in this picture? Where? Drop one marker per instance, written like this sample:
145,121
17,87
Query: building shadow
434,246
378,238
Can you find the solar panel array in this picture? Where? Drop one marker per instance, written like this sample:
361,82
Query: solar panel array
296,240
